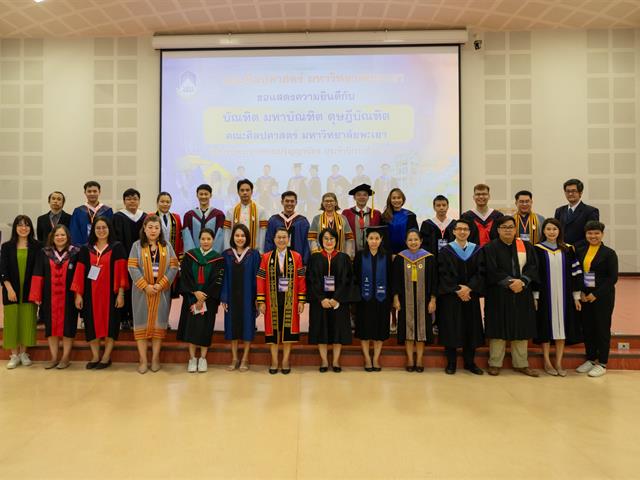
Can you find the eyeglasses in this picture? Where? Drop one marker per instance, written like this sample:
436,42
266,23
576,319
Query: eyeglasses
507,227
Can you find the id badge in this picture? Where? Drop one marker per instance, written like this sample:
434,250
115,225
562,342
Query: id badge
590,280
329,283
155,268
442,242
89,229
283,284
94,271
525,237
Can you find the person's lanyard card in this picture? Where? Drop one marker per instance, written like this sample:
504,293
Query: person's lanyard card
155,268
94,271
590,279
525,237
329,283
89,229
283,284
442,242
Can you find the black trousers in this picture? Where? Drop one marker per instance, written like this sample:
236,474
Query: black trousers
596,324
468,354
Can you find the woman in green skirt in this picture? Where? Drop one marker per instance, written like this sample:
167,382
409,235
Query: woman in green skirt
17,259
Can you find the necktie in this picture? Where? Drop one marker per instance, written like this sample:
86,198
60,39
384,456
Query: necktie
361,220
166,221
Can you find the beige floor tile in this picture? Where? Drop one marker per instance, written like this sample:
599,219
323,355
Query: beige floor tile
393,424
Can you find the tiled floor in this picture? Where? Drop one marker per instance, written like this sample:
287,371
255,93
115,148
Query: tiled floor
118,424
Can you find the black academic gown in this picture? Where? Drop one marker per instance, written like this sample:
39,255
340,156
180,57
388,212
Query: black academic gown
431,234
372,316
573,283
420,299
508,315
459,323
328,325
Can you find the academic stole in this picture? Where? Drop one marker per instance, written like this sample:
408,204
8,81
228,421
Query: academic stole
338,226
411,277
172,235
153,301
253,220
368,289
289,269
530,226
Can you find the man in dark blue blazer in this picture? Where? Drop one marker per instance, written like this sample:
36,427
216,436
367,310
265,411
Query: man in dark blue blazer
576,214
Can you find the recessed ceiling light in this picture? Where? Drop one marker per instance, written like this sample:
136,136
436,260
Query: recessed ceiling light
38,1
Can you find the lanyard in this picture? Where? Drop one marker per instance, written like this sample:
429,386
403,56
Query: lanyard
93,211
99,253
525,226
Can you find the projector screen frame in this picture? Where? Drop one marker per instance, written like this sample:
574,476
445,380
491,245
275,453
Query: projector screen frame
315,47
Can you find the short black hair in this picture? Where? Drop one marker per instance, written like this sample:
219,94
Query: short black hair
440,198
244,181
162,194
412,230
204,186
282,229
331,232
504,219
64,199
525,193
245,230
573,181
288,193
593,225
92,183
462,220
130,192
207,230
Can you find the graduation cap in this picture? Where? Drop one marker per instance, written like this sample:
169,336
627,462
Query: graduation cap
361,188
380,229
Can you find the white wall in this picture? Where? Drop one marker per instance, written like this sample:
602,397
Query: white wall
537,108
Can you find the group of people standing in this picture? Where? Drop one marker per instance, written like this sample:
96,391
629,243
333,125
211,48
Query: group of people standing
551,280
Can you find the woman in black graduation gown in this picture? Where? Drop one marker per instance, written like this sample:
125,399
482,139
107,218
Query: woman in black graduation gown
557,295
600,273
460,285
329,284
201,276
372,277
51,289
415,275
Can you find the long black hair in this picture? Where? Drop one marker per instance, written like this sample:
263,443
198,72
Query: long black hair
31,239
92,234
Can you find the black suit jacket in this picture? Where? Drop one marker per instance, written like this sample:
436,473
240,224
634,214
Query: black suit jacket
605,266
43,225
9,269
573,225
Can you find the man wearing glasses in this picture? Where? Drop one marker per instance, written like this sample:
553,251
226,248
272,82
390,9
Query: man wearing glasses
576,214
511,270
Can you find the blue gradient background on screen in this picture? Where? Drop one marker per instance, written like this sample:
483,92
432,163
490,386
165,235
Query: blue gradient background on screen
224,111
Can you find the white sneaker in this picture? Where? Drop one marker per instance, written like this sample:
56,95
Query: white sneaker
202,364
25,360
597,371
14,361
193,365
585,367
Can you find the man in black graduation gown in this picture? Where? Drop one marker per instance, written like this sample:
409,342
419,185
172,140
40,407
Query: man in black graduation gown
574,216
56,215
437,232
127,224
510,267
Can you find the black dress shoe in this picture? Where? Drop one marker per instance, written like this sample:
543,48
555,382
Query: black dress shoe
323,369
368,369
475,369
273,371
91,365
450,370
336,369
102,366
377,369
410,368
286,371
419,369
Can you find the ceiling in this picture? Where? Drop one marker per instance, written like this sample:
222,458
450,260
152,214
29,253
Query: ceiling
95,18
